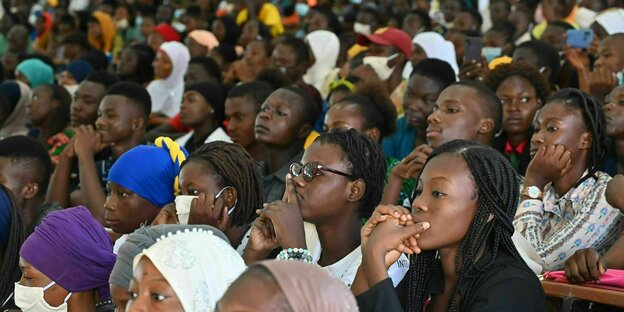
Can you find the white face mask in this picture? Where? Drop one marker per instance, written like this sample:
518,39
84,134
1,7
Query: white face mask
31,299
121,24
363,29
380,65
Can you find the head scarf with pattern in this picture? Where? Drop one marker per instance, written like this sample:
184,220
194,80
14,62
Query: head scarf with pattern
151,171
198,265
142,239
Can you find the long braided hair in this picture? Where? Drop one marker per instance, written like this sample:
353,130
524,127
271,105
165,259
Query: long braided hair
365,160
594,119
234,167
10,272
497,194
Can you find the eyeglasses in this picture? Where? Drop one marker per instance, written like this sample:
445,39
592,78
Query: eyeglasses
310,170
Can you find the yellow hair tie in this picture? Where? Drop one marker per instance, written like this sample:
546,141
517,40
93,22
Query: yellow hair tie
341,82
177,156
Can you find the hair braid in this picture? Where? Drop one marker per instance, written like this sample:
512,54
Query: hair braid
235,168
10,272
594,119
365,160
497,194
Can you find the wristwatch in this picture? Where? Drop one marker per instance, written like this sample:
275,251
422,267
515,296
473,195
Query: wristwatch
532,192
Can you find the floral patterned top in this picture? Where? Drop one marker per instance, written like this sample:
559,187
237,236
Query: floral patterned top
556,227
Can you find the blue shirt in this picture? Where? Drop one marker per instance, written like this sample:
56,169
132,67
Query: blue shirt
401,143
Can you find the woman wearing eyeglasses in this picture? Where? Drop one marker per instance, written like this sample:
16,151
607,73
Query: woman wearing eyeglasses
338,182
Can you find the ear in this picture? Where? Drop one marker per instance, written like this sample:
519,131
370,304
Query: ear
545,71
138,123
304,131
55,104
30,190
374,134
487,126
356,190
230,197
539,104
586,141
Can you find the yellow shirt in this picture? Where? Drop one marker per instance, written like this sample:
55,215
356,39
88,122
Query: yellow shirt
269,15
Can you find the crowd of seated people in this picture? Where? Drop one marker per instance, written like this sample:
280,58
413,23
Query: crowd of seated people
254,155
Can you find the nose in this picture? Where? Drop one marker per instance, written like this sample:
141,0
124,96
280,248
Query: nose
599,62
138,305
537,139
513,106
299,181
418,205
99,123
607,107
434,117
266,115
109,204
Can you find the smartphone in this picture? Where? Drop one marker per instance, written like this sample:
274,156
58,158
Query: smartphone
581,38
472,51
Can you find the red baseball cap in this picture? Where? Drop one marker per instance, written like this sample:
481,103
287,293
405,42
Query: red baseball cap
389,37
168,32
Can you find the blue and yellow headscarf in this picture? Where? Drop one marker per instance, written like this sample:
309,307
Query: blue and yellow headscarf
151,171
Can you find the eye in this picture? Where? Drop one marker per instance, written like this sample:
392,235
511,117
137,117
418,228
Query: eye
435,107
264,108
158,297
504,101
437,194
281,113
193,192
452,110
524,100
122,194
133,295
551,129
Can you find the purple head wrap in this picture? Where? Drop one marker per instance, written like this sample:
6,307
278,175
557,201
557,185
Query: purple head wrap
72,249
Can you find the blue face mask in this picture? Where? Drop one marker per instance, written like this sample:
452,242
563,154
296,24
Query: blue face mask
491,53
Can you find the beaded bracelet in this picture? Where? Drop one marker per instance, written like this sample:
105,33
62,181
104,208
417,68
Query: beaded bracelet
295,254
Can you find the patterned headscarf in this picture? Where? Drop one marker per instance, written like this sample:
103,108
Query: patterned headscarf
198,265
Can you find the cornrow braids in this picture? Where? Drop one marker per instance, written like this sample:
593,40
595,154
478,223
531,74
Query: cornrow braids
10,272
594,119
497,194
365,160
236,168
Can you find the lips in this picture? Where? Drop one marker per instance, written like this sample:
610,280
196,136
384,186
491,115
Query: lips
433,131
112,222
261,128
513,120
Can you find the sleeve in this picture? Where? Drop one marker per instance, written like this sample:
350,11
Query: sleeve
593,225
389,146
381,297
507,289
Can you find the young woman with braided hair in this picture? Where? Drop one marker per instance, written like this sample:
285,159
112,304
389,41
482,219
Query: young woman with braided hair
564,207
225,169
11,239
460,228
338,182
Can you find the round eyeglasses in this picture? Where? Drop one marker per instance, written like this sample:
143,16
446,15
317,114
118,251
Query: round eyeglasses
310,170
